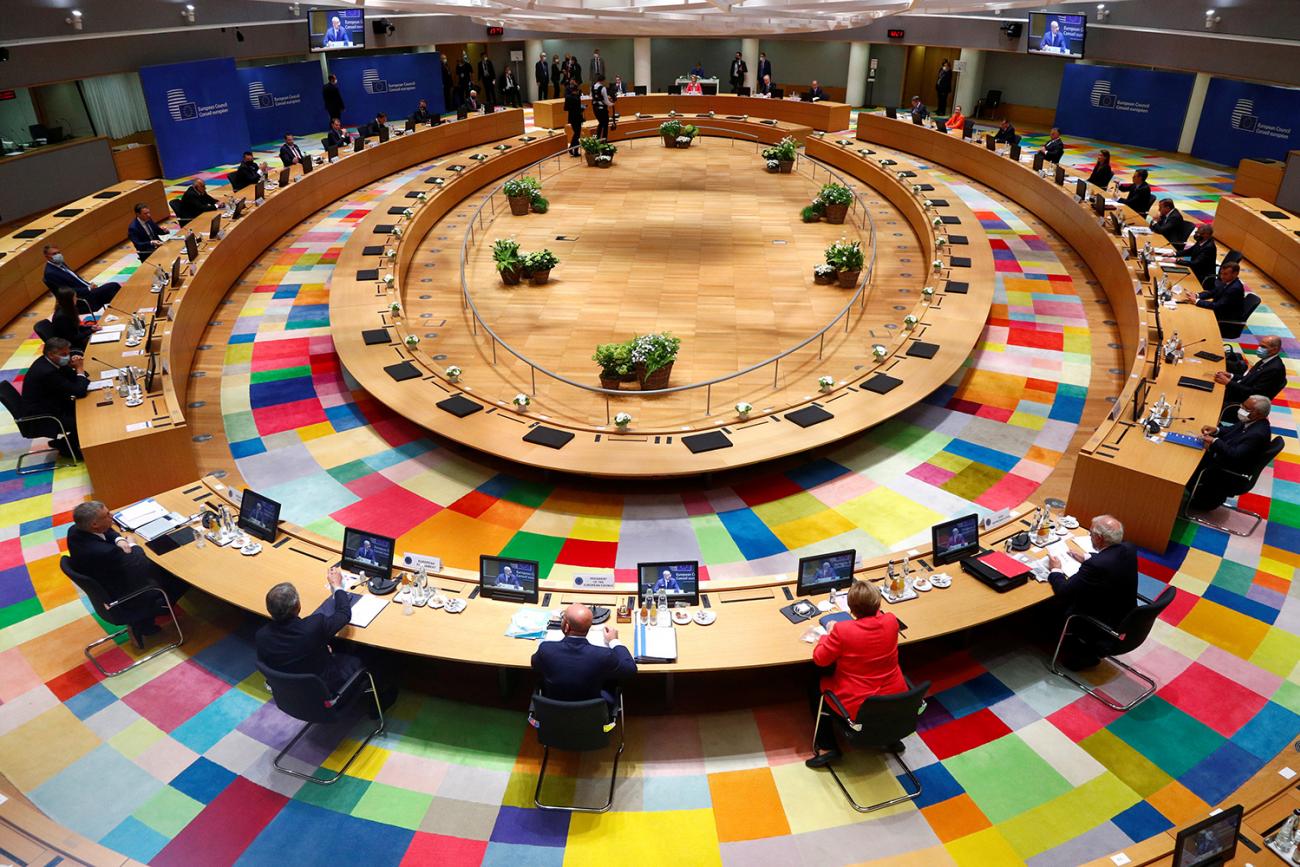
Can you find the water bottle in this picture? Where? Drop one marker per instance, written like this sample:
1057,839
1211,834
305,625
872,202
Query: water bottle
1285,838
663,600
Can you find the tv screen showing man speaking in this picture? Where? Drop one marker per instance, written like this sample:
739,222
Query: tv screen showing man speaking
333,29
1054,33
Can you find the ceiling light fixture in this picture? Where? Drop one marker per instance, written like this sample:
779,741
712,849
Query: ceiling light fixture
1103,14
1211,20
187,14
74,18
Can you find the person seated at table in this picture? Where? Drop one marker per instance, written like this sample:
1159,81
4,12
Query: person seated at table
1201,255
247,173
1054,148
574,669
1102,173
956,120
1267,376
509,89
1168,222
1006,133
113,561
421,113
57,274
1139,198
471,105
1225,296
1105,587
693,87
698,69
290,153
620,88
145,235
1236,448
65,321
864,653
765,86
919,112
666,584
194,201
815,92
337,137
371,130
294,644
52,385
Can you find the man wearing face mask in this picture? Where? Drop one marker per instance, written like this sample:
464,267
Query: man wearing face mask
1267,376
1235,448
50,387
1105,587
58,274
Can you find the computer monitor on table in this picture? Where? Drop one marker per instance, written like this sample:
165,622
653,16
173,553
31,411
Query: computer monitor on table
239,209
307,164
358,144
825,572
178,275
640,90
891,112
259,191
383,133
955,540
968,128
284,176
1210,842
709,89
507,578
151,370
674,89
410,125
331,152
367,554
679,579
215,232
191,246
259,516
1080,189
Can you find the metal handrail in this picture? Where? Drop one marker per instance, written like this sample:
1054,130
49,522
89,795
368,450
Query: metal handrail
864,222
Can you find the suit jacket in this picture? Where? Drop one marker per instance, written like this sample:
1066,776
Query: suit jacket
1006,136
865,655
1173,227
620,88
56,277
289,153
1139,198
764,68
738,70
51,390
192,203
573,106
574,669
371,130
463,73
818,93
471,106
1240,447
143,234
301,645
1227,300
337,138
555,73
1101,175
245,175
542,72
943,83
597,67
1053,150
1201,257
1267,377
920,112
1105,587
71,330
116,571
333,100
487,73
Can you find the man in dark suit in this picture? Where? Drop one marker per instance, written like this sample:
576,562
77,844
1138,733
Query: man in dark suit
1054,147
447,88
764,86
557,76
542,72
464,72
1105,587
1169,223
471,104
1139,198
1201,256
764,68
144,233
510,94
815,92
1267,376
574,669
943,86
332,98
371,130
247,173
50,387
99,552
919,111
1225,296
601,106
487,79
597,66
421,113
195,201
337,137
57,273
739,69
290,153
337,35
1006,134
1237,448
620,88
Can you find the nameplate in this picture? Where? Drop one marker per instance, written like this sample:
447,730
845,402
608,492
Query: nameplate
594,582
415,561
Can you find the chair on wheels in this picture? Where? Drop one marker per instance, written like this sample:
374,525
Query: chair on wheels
1230,330
44,329
305,697
1242,483
32,427
882,723
112,611
1111,643
576,726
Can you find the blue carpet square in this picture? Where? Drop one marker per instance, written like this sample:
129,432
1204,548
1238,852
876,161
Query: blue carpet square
247,448
513,855
980,454
135,839
345,417
36,525
1141,821
203,780
815,473
90,701
1240,604
750,534
1268,732
937,784
242,338
973,695
276,392
1220,773
232,659
498,486
530,827
304,834
202,731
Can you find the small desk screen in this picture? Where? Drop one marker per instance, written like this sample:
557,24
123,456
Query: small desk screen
826,572
1211,842
953,540
501,578
681,581
258,516
367,553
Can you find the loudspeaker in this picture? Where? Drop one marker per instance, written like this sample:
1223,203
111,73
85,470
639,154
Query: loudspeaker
1012,29
4,54
382,27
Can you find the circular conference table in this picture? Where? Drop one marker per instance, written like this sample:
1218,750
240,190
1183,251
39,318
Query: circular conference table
371,343
821,115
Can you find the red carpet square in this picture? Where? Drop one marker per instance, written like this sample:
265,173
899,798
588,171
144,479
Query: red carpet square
288,416
1221,704
172,698
473,504
964,734
225,828
583,552
1083,718
444,851
397,511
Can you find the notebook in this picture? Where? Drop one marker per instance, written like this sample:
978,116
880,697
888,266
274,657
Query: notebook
396,211
654,643
383,229
950,221
882,383
68,212
958,240
1198,384
139,514
374,336
1004,564
366,608
459,406
1182,439
402,371
960,262
957,288
920,349
368,275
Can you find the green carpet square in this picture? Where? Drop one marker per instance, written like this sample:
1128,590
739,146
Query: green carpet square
1234,577
530,494
168,811
1069,816
341,797
1125,763
998,791
390,805
535,546
1165,735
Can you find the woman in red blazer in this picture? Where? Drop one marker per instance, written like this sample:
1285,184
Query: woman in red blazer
864,652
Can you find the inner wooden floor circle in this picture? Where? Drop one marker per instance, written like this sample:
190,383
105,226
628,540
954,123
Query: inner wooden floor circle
701,242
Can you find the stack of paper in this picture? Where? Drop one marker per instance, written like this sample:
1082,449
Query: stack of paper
366,608
140,514
655,643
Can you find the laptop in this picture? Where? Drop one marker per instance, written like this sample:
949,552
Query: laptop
507,579
370,556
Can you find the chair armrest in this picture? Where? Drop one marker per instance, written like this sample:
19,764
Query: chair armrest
345,688
1145,599
109,606
1094,621
53,418
841,710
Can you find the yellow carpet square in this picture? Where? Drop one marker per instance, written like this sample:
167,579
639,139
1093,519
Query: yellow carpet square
643,839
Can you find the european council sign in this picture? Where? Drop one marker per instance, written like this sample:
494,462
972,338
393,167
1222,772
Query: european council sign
1129,106
1242,120
281,99
197,113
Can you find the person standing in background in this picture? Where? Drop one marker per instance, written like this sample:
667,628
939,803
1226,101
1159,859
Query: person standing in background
943,86
446,86
332,98
557,75
542,72
597,66
601,106
464,77
487,77
764,68
738,71
573,108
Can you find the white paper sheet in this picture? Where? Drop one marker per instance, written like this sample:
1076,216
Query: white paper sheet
366,608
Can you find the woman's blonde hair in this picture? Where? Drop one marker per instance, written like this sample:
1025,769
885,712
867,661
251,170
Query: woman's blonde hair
864,599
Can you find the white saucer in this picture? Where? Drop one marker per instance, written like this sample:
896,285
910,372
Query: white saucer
455,606
943,582
1070,522
250,549
1062,530
437,602
921,585
681,617
704,617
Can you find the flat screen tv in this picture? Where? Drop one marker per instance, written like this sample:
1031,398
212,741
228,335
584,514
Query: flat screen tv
336,29
1057,33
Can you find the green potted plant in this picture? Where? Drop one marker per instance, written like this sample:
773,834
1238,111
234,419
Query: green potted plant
687,135
811,213
783,154
521,191
615,362
669,130
590,148
505,253
540,205
538,266
835,200
653,356
846,258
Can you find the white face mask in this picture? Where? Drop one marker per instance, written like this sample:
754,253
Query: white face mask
57,259
1243,416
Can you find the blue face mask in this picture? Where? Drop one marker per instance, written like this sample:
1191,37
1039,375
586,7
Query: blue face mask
57,259
1261,351
62,360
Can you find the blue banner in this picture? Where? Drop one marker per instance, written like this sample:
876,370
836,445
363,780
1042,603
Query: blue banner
391,83
1243,120
281,99
197,114
1129,106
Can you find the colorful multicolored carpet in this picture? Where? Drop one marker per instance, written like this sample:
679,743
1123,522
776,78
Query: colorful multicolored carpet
1018,766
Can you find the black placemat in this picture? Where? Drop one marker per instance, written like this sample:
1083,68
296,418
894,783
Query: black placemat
960,262
29,233
925,188
383,229
939,203
707,442
921,349
368,274
107,194
395,211
907,174
1275,215
459,405
372,251
375,336
882,383
957,288
955,240
548,436
1198,384
402,371
68,212
950,221
808,416
414,195
794,617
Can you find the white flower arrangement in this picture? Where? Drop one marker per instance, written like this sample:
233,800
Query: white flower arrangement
826,383
824,270
452,373
909,322
743,409
604,158
878,351
521,400
412,341
438,182
938,264
927,204
941,242
710,114
388,280
395,309
422,196
773,165
408,213
683,139
622,420
928,291
916,189
937,222
391,253
396,232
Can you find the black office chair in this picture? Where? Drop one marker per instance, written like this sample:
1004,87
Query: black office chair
778,93
990,102
119,612
576,726
745,91
305,697
33,427
640,90
709,89
674,90
1111,643
44,329
1231,330
882,723
1242,483
182,214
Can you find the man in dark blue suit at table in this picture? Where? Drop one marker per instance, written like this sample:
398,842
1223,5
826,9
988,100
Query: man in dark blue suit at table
1237,448
1266,376
1225,296
145,234
574,669
1139,198
1104,587
58,275
1201,255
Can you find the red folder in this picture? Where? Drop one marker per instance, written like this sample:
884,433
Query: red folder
1008,566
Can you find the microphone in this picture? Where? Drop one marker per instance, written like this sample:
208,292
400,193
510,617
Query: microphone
1194,342
106,364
